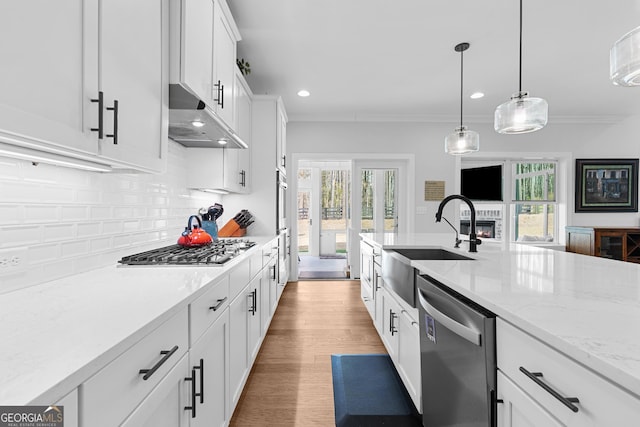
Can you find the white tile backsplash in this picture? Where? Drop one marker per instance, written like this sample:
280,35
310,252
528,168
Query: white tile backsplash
73,221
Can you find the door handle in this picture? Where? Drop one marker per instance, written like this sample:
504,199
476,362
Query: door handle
459,329
100,128
166,354
114,135
566,401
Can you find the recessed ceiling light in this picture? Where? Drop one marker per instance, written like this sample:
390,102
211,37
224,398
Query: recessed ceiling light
476,95
197,123
304,93
222,141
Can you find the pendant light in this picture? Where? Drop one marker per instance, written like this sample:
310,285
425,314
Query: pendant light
461,141
624,60
521,114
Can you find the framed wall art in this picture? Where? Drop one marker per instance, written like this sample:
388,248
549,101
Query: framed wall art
606,185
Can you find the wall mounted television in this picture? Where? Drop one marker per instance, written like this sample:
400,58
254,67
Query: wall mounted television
482,183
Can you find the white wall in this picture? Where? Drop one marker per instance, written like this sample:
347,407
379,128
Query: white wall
421,139
426,141
72,221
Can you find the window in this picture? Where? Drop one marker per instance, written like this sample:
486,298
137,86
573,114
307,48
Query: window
529,212
533,203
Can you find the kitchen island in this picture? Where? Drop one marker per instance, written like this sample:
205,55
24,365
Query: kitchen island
583,307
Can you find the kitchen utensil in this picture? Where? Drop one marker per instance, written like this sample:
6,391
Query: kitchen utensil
194,235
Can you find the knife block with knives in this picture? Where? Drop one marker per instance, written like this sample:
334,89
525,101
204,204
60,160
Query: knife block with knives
237,226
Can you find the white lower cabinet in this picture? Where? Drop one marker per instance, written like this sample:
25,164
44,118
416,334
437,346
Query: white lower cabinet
408,363
136,375
399,330
541,386
69,404
390,313
518,409
209,358
165,405
238,343
253,316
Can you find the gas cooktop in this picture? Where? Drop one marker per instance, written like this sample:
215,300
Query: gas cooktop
213,254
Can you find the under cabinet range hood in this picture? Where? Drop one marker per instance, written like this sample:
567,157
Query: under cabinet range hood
209,131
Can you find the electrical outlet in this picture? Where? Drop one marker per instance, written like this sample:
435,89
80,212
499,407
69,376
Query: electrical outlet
13,261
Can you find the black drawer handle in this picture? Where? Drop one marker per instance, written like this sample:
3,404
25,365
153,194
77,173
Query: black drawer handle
566,401
218,304
167,354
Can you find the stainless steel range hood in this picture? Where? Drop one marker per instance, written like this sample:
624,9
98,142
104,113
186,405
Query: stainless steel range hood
185,109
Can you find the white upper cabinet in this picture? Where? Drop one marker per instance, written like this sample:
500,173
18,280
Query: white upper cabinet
62,56
48,75
134,76
205,43
196,47
281,138
224,62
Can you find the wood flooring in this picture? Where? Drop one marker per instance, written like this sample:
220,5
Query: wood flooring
290,383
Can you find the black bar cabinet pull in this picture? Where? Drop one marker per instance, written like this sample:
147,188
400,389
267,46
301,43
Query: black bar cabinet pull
566,401
200,367
114,135
392,326
192,408
219,302
219,99
166,355
255,301
100,128
273,276
252,309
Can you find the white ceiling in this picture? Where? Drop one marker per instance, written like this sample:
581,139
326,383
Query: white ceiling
394,59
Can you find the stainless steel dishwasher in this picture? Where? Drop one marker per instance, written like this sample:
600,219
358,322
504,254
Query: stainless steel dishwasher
458,358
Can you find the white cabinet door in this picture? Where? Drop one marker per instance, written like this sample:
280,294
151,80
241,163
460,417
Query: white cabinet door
165,405
238,343
134,76
390,325
243,116
408,365
49,74
210,357
69,404
224,63
254,321
518,409
196,53
281,139
265,300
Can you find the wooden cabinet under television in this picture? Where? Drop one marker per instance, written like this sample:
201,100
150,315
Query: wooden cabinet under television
607,242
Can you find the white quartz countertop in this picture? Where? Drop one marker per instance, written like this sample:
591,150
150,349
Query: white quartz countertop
56,335
586,307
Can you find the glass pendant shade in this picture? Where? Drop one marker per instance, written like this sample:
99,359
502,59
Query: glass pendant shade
521,114
462,141
624,60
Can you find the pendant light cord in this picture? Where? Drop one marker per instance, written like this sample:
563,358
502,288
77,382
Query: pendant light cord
520,71
461,83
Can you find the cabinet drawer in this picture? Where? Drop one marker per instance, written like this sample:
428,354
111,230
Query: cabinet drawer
239,278
600,402
109,396
256,262
208,307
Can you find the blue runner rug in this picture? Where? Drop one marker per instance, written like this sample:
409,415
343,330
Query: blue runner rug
367,391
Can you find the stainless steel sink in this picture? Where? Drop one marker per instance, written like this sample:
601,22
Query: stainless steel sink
431,254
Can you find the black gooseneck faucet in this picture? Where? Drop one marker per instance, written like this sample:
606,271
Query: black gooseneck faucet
473,239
